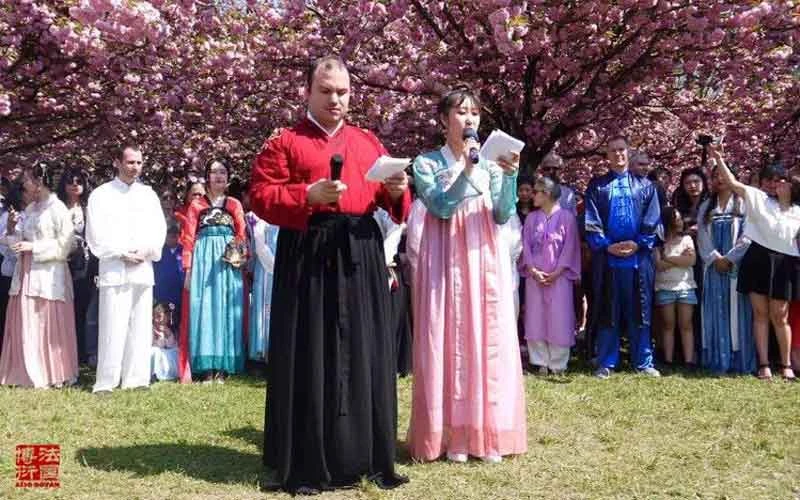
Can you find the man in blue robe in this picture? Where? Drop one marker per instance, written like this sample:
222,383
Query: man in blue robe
622,214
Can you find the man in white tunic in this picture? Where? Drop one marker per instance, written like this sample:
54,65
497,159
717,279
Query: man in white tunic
125,229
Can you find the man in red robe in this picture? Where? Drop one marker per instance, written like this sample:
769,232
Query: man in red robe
331,415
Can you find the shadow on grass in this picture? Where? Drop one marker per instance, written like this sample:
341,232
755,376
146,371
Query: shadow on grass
250,435
213,464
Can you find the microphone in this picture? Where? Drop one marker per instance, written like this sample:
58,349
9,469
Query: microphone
470,133
336,167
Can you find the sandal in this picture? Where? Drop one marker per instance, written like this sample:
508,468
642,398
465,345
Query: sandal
788,378
766,374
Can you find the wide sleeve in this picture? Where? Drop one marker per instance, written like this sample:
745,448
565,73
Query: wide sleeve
99,235
440,202
513,232
156,234
527,242
239,224
189,233
569,258
705,246
274,197
646,239
503,189
742,243
595,230
59,244
6,240
262,250
397,209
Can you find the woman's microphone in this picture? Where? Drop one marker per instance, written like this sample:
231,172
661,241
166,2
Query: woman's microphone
471,134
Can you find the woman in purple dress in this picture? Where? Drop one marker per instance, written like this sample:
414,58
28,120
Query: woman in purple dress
552,262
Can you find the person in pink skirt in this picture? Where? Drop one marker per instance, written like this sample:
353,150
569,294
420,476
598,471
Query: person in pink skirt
40,347
468,396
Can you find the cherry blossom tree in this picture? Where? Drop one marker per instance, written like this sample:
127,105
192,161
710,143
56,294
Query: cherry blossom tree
191,79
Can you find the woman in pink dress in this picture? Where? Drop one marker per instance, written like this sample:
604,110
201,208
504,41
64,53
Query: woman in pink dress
552,261
468,394
40,346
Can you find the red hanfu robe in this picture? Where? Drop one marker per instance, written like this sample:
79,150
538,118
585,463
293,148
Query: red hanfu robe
331,414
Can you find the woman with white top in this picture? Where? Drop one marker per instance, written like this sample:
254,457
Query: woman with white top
39,346
675,286
769,269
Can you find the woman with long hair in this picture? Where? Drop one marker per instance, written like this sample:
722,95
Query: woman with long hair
727,336
39,346
73,191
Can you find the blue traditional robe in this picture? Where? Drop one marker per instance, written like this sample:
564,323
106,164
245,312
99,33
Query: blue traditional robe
727,336
621,207
169,276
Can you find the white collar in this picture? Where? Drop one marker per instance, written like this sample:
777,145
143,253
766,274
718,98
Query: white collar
315,122
122,186
449,157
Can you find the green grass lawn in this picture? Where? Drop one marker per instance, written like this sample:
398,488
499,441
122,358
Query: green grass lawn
627,437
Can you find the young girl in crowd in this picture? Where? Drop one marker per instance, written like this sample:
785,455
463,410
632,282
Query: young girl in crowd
675,287
164,355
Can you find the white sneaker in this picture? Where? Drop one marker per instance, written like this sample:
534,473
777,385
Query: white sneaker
457,457
650,372
492,459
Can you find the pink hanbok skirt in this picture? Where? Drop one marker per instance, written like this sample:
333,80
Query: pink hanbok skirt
468,394
39,345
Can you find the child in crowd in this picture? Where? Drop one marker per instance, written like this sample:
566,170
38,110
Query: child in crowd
675,286
164,354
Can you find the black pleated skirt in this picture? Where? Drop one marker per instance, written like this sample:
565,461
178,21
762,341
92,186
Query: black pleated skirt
331,414
766,272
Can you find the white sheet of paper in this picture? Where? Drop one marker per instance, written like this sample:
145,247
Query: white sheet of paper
500,144
385,167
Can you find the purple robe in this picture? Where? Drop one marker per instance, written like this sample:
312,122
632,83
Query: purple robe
550,243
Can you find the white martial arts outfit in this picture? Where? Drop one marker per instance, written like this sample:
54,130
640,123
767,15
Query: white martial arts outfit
122,218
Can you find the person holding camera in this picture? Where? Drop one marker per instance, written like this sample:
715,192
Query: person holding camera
769,268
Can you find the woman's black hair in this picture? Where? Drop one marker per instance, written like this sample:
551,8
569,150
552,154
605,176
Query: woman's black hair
43,172
668,214
225,162
14,198
776,170
681,199
525,179
456,97
67,176
714,199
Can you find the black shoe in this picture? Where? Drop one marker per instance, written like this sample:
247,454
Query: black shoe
391,482
268,482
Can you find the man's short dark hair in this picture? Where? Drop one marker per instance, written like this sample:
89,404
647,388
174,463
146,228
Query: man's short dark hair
326,63
617,137
125,146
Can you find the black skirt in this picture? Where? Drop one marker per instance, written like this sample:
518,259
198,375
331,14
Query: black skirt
766,272
331,414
